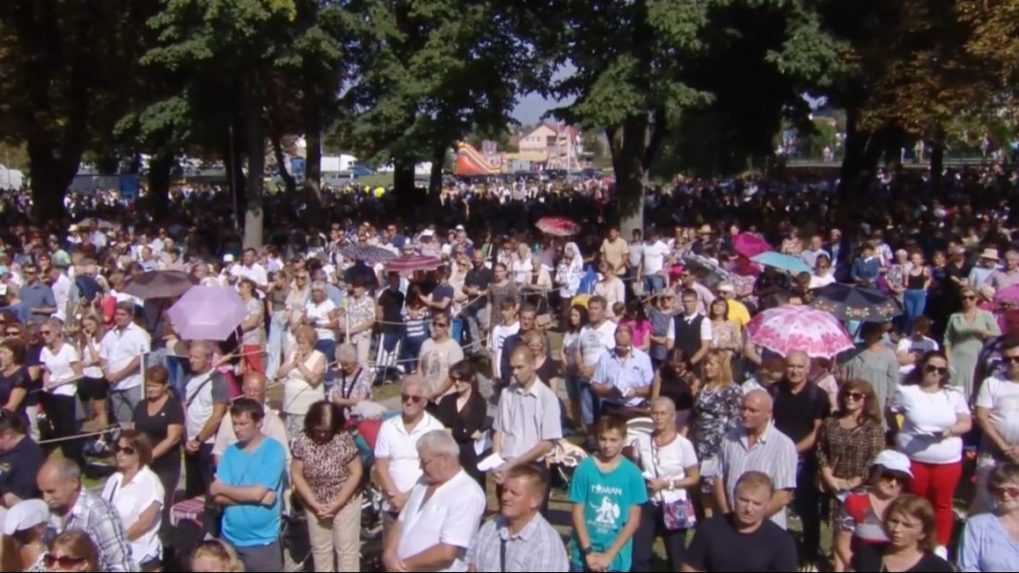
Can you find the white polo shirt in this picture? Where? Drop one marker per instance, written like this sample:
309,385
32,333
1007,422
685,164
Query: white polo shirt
594,341
119,347
400,447
451,516
131,500
319,314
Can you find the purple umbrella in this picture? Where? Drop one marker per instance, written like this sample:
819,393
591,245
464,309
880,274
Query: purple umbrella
207,313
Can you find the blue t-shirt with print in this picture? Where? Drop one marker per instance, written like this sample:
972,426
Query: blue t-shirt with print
607,499
250,525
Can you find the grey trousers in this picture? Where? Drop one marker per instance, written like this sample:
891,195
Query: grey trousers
261,557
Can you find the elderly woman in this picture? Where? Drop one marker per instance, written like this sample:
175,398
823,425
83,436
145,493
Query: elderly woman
303,374
909,526
327,474
989,540
669,465
161,418
965,335
136,492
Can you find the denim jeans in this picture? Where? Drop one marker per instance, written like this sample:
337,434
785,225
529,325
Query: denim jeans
579,389
653,284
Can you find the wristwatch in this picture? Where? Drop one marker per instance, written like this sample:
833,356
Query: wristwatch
588,550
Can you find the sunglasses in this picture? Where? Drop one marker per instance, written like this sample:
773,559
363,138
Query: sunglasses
936,370
413,399
1011,359
62,561
900,479
969,297
124,450
855,395
1002,491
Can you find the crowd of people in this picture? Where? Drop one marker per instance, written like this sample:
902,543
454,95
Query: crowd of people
616,370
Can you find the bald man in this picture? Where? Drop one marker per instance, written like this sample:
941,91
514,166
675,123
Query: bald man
73,507
800,409
757,445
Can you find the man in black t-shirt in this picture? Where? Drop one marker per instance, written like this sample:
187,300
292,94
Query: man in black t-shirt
20,460
800,409
475,287
390,309
744,540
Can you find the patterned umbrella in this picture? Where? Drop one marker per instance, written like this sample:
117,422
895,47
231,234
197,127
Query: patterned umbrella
789,328
411,263
848,302
207,313
782,262
368,253
557,226
750,245
159,284
713,274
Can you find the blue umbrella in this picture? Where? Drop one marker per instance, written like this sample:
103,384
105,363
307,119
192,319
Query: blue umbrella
788,263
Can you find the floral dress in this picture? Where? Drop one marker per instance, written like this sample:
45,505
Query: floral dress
716,411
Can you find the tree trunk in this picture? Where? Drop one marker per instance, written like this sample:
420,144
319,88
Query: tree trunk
254,139
631,151
435,179
159,184
313,157
403,177
52,168
281,162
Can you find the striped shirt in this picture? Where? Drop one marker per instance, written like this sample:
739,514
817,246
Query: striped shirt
774,454
537,547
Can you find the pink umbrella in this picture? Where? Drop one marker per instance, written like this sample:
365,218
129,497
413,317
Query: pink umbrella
207,313
790,328
411,263
750,245
557,226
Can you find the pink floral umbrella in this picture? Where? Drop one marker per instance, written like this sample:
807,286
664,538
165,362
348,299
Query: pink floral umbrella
789,328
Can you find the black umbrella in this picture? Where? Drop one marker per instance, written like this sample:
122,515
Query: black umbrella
159,284
368,253
849,302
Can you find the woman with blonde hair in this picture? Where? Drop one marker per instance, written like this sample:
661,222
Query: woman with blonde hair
716,410
213,556
72,550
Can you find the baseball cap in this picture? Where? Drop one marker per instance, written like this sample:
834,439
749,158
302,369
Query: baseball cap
893,461
726,287
26,515
228,258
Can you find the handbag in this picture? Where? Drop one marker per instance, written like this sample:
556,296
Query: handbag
678,514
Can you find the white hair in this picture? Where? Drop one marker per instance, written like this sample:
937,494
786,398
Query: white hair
439,442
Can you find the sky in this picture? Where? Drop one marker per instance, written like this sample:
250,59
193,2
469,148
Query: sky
531,107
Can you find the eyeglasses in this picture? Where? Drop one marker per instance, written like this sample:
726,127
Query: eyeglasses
124,450
855,395
412,399
62,561
936,370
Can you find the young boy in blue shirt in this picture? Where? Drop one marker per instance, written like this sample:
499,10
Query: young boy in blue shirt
607,491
